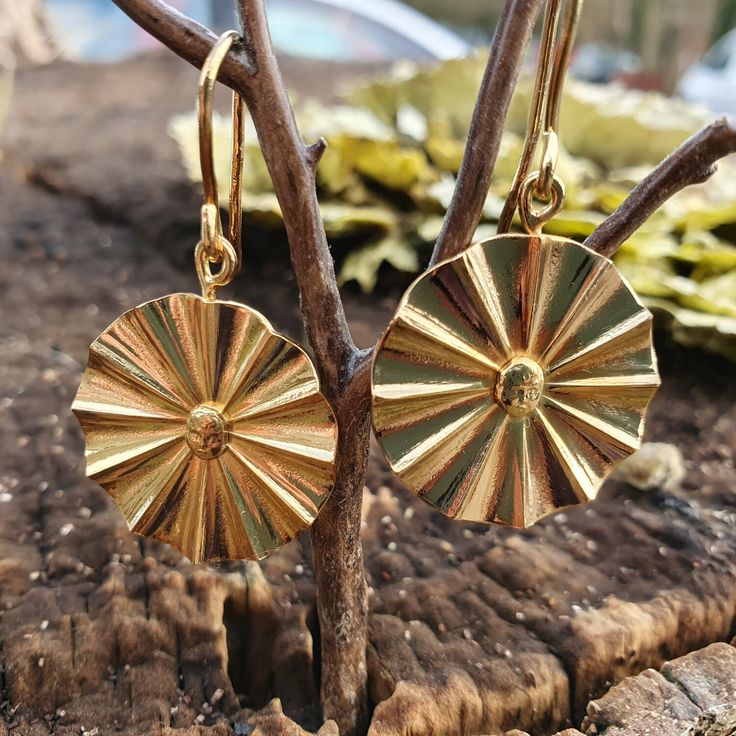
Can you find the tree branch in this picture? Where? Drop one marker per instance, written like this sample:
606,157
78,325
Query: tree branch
292,167
188,39
254,72
344,371
692,163
338,564
505,60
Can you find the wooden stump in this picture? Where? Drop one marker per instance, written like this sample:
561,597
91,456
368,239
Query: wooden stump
473,630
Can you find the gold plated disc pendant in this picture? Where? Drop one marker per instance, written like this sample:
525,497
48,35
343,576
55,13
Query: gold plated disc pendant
207,427
512,378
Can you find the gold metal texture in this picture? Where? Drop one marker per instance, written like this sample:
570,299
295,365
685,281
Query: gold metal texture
512,378
207,427
544,113
211,221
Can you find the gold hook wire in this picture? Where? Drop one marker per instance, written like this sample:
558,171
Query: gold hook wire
214,248
544,119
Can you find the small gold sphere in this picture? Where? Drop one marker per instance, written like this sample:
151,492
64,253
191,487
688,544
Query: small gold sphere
519,386
207,433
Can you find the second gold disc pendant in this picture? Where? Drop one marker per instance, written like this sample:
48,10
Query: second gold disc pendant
516,374
511,379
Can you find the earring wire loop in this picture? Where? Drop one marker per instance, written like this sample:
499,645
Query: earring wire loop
215,248
544,116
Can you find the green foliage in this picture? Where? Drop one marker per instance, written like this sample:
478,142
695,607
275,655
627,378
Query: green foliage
726,19
395,146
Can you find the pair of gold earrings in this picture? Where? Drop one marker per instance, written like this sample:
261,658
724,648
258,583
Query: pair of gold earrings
510,380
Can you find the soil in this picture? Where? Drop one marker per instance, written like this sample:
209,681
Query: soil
472,630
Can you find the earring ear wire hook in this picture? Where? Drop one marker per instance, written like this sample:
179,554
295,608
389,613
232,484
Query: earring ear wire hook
544,118
214,247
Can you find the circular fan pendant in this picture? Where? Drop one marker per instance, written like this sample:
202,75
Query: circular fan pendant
207,427
512,378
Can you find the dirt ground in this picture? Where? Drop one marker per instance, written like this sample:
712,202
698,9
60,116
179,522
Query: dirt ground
473,630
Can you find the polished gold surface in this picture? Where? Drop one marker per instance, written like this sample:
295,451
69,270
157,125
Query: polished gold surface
544,121
207,427
519,386
214,248
211,220
512,378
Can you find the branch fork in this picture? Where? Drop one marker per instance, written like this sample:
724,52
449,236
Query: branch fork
251,69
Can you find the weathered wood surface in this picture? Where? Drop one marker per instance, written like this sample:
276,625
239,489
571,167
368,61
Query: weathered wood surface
472,630
693,695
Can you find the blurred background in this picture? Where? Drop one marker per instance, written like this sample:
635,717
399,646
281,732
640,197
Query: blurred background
649,44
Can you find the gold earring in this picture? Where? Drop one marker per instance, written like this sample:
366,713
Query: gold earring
204,424
515,375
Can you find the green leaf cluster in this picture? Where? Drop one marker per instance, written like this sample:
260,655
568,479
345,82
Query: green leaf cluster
394,149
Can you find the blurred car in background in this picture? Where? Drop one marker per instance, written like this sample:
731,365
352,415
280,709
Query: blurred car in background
362,31
97,30
359,31
712,80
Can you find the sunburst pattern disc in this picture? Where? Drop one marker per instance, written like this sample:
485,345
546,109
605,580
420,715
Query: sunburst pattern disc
512,378
207,427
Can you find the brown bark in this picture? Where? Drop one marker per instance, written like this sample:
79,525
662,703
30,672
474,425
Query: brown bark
338,566
692,163
486,128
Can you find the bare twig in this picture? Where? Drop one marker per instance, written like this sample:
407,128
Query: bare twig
486,128
254,73
292,167
338,564
345,371
188,39
692,163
